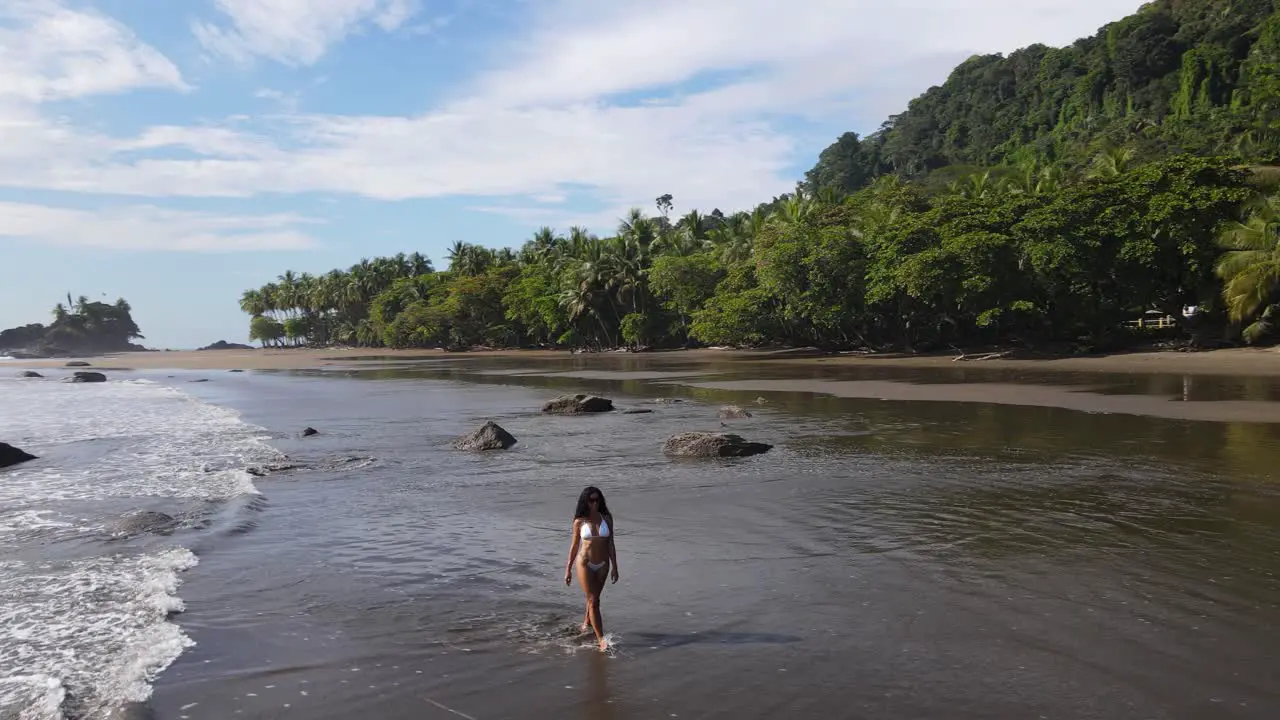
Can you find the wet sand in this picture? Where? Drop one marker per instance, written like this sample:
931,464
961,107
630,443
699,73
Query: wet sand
1167,385
1232,361
1067,398
885,560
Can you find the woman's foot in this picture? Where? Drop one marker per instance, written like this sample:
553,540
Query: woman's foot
604,645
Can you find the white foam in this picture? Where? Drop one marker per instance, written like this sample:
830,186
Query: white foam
99,626
91,634
165,443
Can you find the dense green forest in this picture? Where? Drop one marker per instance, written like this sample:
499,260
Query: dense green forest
1050,198
82,326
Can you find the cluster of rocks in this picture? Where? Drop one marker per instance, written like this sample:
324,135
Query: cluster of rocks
492,436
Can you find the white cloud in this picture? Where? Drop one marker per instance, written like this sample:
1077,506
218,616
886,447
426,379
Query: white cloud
592,48
50,52
547,122
295,32
144,227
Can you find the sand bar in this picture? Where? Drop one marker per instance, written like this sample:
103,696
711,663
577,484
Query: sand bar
1229,362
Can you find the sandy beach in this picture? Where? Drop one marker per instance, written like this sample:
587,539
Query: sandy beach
1233,361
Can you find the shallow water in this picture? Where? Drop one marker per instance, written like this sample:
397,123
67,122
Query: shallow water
886,559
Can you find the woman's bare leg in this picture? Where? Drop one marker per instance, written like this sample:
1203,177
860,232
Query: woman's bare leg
592,583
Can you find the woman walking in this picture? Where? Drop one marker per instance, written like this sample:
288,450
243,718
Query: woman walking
593,555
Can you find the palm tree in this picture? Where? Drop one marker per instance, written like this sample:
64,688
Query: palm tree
1112,161
1250,267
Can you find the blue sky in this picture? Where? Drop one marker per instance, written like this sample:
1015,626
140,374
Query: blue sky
177,152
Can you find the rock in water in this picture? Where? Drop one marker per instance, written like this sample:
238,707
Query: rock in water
144,521
490,436
30,374
77,363
10,455
706,444
641,411
572,404
86,377
309,432
733,412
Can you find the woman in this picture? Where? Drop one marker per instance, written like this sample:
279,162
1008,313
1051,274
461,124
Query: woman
593,554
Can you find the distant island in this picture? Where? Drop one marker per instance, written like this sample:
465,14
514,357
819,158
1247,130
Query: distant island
1117,192
78,328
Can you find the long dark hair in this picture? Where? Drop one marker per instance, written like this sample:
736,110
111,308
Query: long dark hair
584,507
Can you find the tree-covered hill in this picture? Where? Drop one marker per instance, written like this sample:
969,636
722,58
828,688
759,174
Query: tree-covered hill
79,327
1178,76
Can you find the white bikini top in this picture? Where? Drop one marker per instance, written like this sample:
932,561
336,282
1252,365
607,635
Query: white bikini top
585,531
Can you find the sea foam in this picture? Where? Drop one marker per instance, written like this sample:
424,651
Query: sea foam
83,636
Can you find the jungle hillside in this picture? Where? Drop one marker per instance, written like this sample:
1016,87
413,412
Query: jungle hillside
1118,191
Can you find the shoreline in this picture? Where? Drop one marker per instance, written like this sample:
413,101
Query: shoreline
1228,362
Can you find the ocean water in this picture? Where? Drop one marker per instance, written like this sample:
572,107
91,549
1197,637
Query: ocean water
884,560
86,605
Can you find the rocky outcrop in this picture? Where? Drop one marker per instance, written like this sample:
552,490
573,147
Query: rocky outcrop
706,444
30,374
308,432
733,412
490,436
144,521
574,404
275,467
331,464
10,455
224,345
86,377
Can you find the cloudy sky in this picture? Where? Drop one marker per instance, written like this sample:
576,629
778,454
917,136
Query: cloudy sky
176,152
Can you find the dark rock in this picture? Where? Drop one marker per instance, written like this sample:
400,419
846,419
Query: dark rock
636,412
668,401
733,412
308,432
144,521
10,455
77,363
199,380
326,465
30,374
573,404
490,436
86,377
263,470
235,370
224,345
706,444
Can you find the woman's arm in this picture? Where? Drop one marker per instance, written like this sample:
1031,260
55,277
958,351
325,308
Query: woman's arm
573,551
613,550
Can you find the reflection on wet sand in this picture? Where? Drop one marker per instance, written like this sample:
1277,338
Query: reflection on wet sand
1080,399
